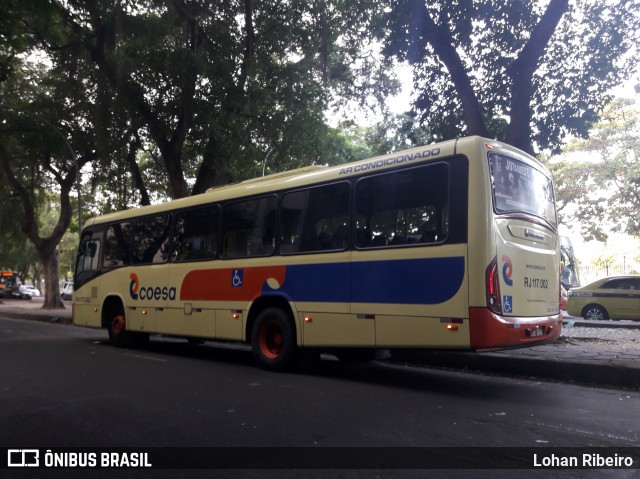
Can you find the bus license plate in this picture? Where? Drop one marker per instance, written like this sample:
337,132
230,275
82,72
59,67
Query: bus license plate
537,332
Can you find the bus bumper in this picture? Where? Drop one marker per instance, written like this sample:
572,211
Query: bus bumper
492,331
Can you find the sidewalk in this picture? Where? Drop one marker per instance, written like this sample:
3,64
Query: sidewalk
602,353
32,309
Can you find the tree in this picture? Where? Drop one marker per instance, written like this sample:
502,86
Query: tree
527,72
602,187
167,98
226,90
44,142
25,181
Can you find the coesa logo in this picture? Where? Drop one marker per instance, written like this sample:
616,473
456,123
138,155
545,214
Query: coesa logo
150,292
507,270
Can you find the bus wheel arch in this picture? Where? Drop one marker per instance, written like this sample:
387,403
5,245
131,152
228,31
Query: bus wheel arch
114,319
272,332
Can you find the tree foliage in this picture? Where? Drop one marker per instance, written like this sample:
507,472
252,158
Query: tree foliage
166,98
44,140
218,90
526,72
598,179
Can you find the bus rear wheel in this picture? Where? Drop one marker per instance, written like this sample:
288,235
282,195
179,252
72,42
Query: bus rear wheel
273,340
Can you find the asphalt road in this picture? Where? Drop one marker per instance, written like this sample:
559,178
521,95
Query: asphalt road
63,386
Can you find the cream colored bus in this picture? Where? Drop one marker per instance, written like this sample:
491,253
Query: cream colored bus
448,246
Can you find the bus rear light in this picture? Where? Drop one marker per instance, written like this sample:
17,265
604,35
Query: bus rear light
493,287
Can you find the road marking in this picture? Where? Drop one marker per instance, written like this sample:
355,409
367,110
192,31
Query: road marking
150,358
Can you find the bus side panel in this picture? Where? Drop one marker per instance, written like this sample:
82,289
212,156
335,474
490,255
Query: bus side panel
412,295
336,330
85,315
87,311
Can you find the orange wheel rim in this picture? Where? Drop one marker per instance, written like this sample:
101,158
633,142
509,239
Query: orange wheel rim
271,339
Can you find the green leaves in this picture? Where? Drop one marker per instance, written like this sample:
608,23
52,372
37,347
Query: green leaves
530,73
601,189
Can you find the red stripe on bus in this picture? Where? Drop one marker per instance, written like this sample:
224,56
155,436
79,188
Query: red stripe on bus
219,285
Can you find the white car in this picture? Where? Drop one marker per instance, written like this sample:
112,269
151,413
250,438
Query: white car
33,290
67,290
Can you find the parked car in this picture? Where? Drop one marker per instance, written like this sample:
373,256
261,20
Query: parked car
615,297
33,290
67,290
18,292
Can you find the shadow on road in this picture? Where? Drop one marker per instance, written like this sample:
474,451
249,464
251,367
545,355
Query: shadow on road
385,373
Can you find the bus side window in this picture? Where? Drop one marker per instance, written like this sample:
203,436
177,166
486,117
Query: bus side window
149,240
196,235
404,207
315,219
248,227
88,255
116,246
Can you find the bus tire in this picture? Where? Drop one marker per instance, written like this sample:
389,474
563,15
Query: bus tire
273,340
117,326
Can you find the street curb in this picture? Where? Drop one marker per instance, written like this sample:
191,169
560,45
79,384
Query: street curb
588,373
583,323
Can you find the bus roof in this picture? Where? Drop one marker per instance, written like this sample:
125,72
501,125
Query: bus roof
315,174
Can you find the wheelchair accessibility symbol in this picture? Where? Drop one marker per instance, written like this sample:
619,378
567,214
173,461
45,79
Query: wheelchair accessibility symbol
237,278
508,304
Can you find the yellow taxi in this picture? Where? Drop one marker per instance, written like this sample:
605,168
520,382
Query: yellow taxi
616,297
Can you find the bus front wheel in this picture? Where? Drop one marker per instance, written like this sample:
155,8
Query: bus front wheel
273,340
118,334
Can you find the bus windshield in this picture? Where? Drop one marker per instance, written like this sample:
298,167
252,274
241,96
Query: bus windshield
520,188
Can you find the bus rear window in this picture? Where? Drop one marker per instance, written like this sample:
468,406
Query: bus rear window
520,188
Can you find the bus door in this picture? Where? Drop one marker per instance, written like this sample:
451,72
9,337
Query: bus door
86,302
149,291
193,310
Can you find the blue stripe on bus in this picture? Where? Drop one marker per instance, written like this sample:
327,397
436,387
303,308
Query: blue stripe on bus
414,281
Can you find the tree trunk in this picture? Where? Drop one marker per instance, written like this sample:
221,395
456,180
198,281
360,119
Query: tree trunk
50,262
521,72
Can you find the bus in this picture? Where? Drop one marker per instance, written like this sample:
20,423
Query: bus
452,245
8,281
